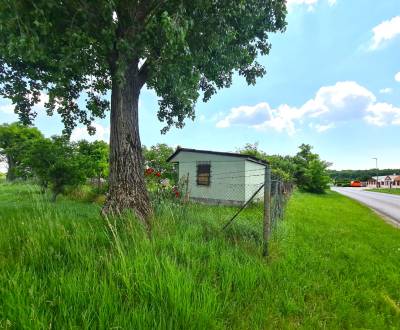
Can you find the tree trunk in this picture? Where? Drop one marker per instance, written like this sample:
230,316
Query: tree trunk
127,188
11,169
54,195
98,182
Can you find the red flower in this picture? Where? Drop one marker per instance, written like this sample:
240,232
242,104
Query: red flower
177,194
158,174
149,171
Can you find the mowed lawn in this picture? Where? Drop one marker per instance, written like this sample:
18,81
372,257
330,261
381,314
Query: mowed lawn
334,264
394,191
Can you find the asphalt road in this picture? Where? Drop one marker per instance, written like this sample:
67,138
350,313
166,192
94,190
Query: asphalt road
386,204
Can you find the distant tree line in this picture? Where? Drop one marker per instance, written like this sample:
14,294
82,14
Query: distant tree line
360,175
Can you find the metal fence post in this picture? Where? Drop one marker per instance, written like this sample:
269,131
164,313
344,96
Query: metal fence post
186,198
267,209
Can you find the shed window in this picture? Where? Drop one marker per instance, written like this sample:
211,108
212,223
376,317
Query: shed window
203,174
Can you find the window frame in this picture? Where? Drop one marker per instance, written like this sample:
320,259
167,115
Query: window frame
204,164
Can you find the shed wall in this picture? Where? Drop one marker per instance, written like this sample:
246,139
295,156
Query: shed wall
254,179
227,182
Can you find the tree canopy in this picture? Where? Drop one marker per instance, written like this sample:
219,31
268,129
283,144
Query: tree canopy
311,172
12,140
282,167
56,163
71,47
305,169
96,159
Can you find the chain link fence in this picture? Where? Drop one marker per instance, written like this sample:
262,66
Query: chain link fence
242,193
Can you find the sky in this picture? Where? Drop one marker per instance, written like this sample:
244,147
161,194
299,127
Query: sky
333,81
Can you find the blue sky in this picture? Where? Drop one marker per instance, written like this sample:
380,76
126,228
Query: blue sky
333,81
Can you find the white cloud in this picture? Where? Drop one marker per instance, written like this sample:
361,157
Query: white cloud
383,114
80,133
386,90
343,102
322,128
247,115
309,3
8,108
384,32
397,77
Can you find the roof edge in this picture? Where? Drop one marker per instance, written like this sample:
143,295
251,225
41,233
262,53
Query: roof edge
221,153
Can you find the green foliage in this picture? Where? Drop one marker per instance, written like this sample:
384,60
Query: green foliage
282,167
316,179
252,149
305,169
12,139
56,163
342,183
311,172
96,156
70,47
360,175
393,191
334,265
156,158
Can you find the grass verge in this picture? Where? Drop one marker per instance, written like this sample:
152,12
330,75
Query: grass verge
394,191
334,264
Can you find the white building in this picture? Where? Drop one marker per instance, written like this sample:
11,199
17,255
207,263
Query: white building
384,181
219,177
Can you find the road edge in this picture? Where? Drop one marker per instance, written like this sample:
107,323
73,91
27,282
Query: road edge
389,220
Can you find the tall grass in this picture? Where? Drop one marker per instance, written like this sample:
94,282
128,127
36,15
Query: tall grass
333,264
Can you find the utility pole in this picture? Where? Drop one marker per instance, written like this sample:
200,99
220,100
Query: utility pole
377,170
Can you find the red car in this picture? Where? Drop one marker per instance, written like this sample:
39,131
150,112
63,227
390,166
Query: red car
355,184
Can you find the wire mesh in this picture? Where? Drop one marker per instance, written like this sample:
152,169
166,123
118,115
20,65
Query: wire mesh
241,188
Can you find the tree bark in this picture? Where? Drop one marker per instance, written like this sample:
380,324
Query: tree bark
11,169
127,188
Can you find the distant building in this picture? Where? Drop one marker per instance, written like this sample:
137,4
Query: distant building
219,177
384,181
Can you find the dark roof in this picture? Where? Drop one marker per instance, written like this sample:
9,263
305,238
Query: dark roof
230,154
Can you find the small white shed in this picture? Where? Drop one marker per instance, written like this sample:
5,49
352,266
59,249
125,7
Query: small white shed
219,177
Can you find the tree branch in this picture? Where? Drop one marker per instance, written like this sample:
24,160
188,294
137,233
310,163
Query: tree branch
143,73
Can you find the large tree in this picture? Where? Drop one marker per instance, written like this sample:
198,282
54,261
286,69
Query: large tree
56,163
96,155
12,139
179,48
311,172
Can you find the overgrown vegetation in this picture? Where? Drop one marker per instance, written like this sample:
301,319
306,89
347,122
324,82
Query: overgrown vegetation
305,169
334,264
13,138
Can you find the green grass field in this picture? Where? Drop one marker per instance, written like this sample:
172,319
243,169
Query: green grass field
334,264
387,191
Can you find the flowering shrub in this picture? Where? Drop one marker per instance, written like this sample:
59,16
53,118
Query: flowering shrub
149,171
159,187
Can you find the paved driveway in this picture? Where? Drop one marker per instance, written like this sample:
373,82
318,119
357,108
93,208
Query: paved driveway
386,204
